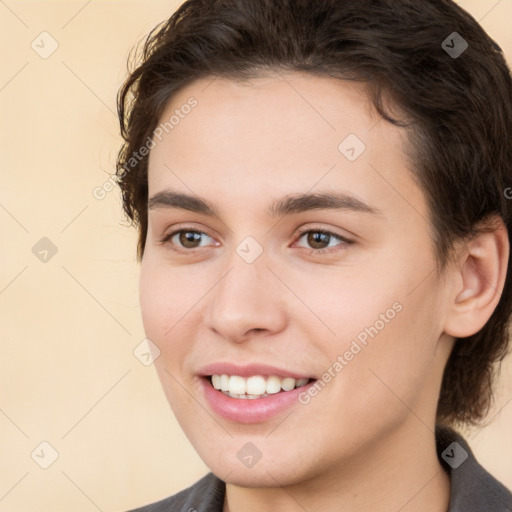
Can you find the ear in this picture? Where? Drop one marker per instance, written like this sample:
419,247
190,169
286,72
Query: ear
478,280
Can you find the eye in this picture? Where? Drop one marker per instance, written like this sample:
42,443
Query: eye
186,239
320,240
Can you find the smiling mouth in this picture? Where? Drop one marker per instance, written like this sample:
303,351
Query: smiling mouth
256,386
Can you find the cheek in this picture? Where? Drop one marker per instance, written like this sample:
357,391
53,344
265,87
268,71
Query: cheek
344,304
164,302
167,296
155,301
385,332
391,371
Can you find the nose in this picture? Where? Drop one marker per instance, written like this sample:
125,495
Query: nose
247,302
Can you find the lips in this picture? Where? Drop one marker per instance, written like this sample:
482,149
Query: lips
249,370
252,393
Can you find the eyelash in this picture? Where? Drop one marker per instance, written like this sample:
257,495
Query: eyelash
166,239
345,241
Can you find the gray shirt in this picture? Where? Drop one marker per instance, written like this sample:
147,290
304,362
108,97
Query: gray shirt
473,489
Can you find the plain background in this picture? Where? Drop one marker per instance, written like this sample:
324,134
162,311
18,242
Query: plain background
70,324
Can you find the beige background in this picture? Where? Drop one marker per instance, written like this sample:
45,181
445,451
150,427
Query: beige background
68,375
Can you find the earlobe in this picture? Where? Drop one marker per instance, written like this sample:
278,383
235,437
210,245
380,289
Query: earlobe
478,280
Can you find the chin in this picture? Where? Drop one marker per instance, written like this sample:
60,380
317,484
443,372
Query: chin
275,471
265,477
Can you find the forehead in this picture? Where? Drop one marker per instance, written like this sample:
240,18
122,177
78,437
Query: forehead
280,134
299,113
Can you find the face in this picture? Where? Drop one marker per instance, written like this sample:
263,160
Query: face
325,309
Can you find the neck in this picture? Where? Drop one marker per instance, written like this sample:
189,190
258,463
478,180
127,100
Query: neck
399,472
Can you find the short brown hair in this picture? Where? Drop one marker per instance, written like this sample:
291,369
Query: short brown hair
457,110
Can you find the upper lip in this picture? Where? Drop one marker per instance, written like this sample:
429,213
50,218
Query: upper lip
248,370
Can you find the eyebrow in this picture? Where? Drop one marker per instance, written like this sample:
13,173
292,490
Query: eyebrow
288,205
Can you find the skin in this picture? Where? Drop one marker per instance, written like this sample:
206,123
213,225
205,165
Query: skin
366,441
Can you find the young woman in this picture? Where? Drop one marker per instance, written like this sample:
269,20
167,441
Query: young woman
320,189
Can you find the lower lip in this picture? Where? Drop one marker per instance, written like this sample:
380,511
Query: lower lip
246,410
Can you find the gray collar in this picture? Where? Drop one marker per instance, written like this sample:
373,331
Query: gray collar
473,489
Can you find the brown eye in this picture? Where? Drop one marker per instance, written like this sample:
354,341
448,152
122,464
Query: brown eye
318,239
185,239
189,239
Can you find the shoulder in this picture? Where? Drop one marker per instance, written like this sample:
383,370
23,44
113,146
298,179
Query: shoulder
206,495
473,489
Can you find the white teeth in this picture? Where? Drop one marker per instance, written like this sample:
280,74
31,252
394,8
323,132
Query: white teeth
224,383
273,385
288,384
255,386
237,385
216,381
